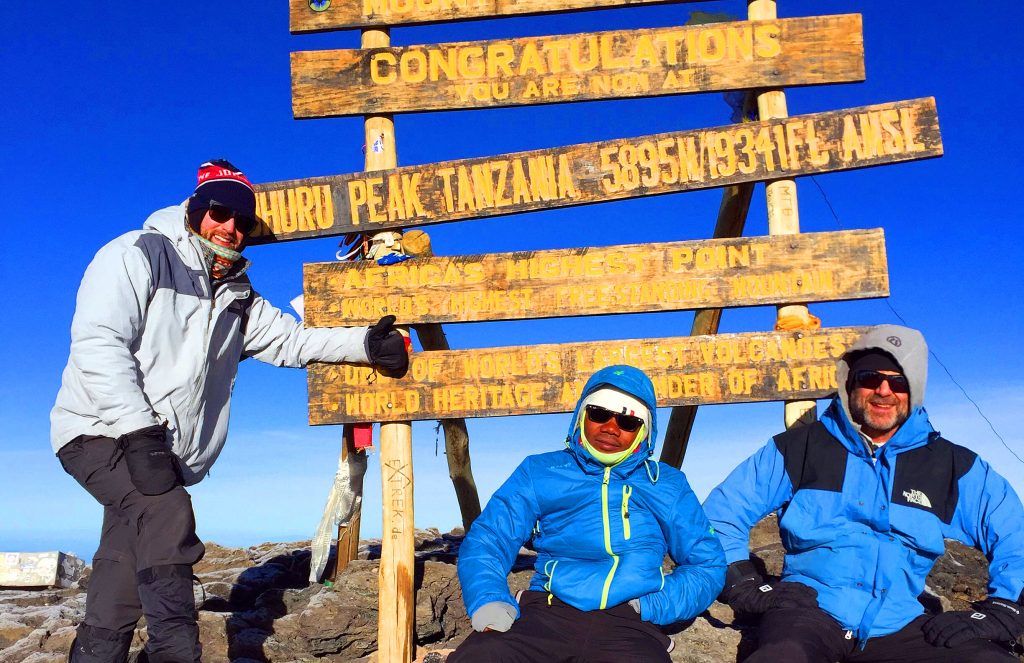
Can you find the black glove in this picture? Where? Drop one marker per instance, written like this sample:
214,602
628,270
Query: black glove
152,467
747,592
385,348
1000,620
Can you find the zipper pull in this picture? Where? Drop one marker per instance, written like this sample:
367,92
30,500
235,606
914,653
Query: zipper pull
849,635
607,475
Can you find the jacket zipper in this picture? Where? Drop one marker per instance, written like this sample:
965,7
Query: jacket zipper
607,538
627,491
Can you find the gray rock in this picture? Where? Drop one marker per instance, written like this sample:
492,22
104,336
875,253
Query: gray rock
255,605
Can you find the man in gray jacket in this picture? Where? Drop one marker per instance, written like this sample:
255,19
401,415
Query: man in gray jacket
163,317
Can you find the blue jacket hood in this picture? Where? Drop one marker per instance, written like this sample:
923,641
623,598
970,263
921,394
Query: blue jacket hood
633,381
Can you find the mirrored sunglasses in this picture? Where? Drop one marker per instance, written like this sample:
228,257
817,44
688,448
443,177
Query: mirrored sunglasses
626,422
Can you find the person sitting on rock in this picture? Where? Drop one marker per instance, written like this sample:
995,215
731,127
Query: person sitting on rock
602,516
865,498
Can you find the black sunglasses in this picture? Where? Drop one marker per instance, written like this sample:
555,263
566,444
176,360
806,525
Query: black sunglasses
626,422
867,379
222,214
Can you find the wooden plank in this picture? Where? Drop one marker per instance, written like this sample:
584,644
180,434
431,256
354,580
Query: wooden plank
598,172
320,15
578,67
633,278
686,370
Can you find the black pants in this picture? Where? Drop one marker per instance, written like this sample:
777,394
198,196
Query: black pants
802,635
551,632
147,548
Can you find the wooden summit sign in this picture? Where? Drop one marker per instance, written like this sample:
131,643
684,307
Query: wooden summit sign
592,281
317,15
686,370
597,172
579,67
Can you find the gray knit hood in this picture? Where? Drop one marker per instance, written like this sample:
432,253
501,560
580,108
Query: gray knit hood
906,346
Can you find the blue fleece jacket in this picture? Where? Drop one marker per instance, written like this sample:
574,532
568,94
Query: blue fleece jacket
601,533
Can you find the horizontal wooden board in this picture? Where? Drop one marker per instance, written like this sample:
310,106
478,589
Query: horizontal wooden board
686,370
597,172
635,278
599,65
320,15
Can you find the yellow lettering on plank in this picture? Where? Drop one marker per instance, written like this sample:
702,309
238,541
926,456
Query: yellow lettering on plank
908,122
446,188
766,40
375,200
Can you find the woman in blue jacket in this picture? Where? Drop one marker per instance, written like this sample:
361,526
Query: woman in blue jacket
602,516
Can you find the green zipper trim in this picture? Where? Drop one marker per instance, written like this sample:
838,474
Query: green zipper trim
550,574
607,538
627,491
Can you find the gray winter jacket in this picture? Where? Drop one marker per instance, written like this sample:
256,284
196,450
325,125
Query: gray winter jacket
150,344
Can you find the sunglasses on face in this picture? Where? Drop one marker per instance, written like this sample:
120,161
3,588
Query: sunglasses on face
222,214
626,422
898,384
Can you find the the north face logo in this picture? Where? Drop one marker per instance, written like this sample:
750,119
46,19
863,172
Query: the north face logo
918,498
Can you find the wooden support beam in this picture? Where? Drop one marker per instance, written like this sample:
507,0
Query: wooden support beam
396,605
456,440
783,215
456,434
347,548
732,215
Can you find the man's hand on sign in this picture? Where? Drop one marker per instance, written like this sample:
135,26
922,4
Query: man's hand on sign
386,348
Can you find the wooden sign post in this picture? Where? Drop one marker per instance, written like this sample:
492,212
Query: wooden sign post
395,578
796,362
783,215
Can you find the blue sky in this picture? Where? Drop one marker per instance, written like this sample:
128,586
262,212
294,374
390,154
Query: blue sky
109,108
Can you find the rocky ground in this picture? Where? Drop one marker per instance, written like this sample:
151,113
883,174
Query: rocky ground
256,605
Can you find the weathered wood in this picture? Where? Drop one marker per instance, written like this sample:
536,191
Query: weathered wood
347,548
320,15
686,370
632,278
732,216
598,172
783,213
395,617
578,67
456,437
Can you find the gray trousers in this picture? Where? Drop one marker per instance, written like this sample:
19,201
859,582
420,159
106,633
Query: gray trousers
147,548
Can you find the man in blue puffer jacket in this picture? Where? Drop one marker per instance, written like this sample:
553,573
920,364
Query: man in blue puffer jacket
602,515
865,498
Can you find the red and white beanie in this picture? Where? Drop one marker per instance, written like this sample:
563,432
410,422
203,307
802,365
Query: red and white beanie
220,182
